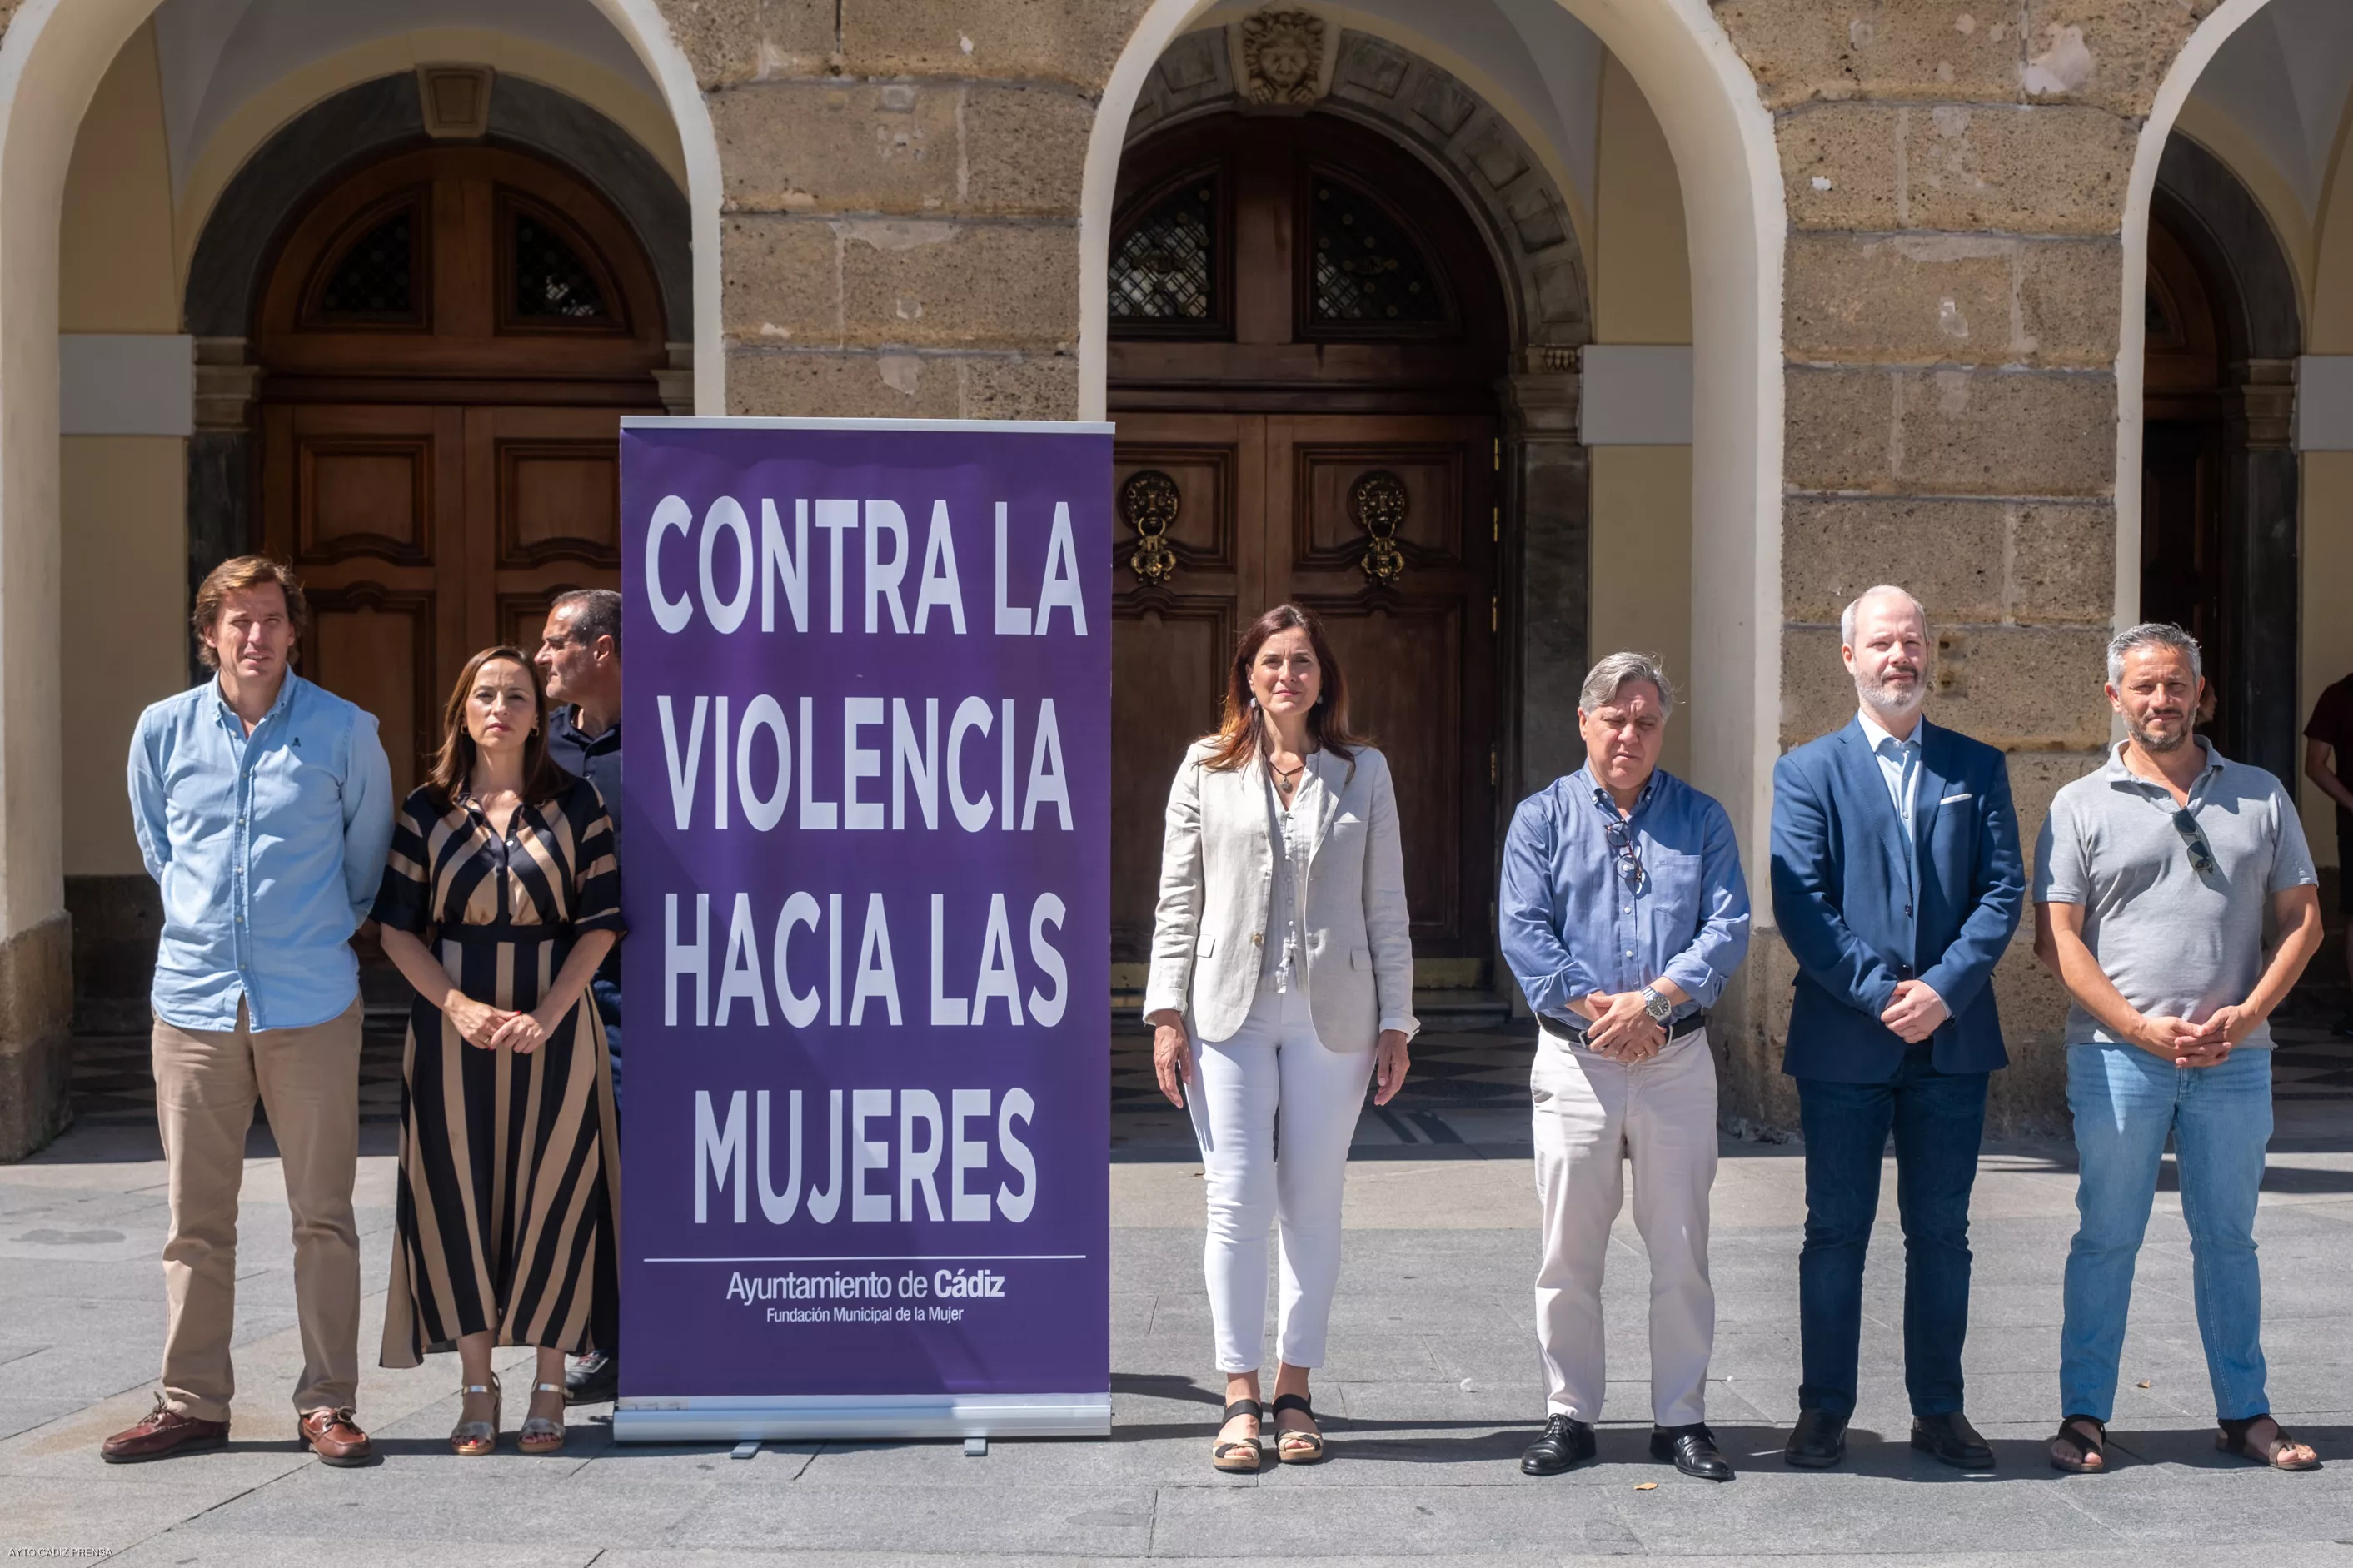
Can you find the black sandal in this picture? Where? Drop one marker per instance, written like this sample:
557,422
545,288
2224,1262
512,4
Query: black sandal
1237,1456
2232,1440
2081,1447
1297,1448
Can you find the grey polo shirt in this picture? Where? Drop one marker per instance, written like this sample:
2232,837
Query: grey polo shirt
2175,942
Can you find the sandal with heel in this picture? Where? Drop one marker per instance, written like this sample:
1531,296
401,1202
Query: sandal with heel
540,1435
1237,1456
1297,1448
471,1440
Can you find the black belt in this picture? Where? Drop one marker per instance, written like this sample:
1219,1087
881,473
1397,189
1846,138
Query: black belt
1690,1023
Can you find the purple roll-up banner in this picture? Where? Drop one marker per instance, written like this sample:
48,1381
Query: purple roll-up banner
866,869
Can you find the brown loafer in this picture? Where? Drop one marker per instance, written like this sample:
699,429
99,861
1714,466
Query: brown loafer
335,1436
163,1432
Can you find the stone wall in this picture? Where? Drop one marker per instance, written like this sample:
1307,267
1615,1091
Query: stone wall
901,186
1956,177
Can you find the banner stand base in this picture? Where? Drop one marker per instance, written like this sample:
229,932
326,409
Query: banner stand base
742,1418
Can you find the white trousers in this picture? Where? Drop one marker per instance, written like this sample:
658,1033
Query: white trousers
1590,1114
1274,1063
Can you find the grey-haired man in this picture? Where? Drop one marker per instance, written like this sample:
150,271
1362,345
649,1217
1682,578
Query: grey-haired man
1624,913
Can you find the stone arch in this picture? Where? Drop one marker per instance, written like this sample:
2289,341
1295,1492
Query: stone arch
1736,218
52,57
2215,214
1500,180
1524,217
277,183
2223,227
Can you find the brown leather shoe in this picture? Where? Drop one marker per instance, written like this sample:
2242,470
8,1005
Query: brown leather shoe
335,1436
163,1432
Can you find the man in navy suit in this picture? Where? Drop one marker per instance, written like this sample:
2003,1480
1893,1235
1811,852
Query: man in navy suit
1896,882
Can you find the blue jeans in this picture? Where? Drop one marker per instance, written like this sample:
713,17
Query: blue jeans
1937,1119
2126,1102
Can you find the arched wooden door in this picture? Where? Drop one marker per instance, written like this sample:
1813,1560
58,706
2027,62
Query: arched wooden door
2187,574
1307,336
447,338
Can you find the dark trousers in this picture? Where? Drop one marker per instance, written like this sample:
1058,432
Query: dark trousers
1939,1119
606,995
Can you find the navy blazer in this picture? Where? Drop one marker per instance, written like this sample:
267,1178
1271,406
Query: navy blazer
1859,919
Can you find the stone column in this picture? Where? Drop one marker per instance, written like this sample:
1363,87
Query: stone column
901,186
1547,495
1956,179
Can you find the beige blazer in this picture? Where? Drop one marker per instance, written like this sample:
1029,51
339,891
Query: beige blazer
1217,880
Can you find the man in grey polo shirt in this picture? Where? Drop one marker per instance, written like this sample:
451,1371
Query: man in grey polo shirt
2151,882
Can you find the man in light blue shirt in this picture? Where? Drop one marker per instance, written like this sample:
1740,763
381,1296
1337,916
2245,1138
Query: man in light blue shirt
1624,913
263,806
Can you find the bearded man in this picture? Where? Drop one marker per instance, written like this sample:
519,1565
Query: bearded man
2152,883
1897,884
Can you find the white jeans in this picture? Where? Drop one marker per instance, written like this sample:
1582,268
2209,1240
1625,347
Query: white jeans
1590,1114
1274,1062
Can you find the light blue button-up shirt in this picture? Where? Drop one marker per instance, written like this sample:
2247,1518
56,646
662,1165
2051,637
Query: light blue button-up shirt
267,848
1899,765
1571,922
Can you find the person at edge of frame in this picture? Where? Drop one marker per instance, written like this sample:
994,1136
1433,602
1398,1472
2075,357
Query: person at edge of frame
2328,763
263,807
1897,883
2153,878
579,660
1624,913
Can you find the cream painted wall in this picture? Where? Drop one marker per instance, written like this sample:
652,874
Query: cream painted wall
1641,499
117,272
1641,257
125,618
121,499
1642,567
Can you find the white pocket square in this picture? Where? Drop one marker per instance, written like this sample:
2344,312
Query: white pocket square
1948,800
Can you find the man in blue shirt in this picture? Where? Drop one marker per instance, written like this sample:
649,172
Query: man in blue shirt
579,660
263,807
1897,883
1624,913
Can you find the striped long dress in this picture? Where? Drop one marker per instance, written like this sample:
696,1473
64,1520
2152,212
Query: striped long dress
501,1225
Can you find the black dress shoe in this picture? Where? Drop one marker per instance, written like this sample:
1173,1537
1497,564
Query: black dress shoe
1952,1439
1818,1442
1692,1449
593,1379
1566,1441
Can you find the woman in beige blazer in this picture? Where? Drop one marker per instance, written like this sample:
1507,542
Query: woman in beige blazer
1281,979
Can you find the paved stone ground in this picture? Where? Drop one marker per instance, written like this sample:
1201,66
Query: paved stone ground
1429,1392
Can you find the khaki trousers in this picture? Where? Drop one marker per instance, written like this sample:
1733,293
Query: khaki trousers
206,1085
1591,1114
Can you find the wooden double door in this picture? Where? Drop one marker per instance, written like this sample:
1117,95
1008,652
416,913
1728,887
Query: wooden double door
448,341
1272,509
1307,334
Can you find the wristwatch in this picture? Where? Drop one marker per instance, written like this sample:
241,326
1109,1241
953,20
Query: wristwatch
1657,1006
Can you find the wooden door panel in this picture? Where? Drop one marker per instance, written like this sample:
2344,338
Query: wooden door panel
1173,628
1404,663
1167,660
1416,639
543,504
375,648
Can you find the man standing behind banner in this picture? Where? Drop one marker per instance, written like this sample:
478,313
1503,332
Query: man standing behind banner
1624,913
1897,882
579,658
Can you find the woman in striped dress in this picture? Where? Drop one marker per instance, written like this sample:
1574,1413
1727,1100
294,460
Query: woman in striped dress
500,899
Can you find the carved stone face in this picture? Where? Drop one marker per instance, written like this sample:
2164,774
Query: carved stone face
1286,60
1280,53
